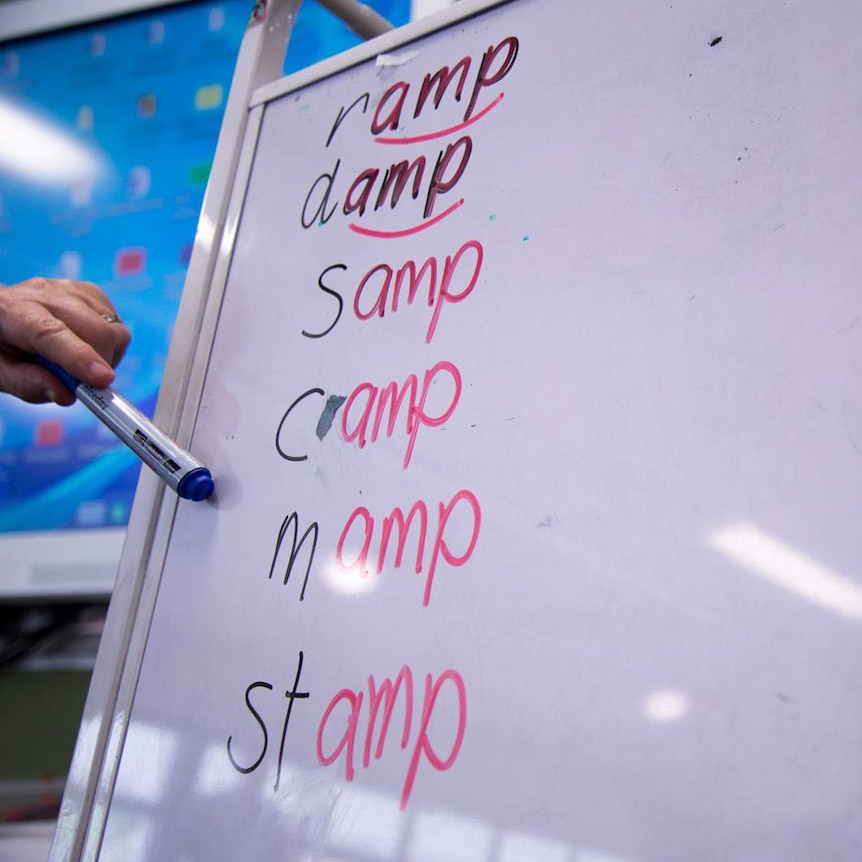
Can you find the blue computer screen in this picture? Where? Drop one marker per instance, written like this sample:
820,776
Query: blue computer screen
128,111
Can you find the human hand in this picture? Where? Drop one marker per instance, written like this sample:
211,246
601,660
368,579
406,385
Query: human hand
72,323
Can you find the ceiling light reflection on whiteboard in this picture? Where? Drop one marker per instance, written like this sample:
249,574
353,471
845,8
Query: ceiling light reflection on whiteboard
367,824
304,799
292,799
666,705
216,774
444,837
129,836
148,763
596,856
517,846
755,550
348,582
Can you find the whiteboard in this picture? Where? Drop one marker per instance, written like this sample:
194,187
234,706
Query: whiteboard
577,566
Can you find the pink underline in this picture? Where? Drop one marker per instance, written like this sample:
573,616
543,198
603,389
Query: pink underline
394,234
443,132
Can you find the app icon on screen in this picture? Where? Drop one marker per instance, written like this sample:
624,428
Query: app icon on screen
49,432
98,44
91,513
199,174
118,513
130,261
146,106
138,182
209,97
10,63
156,32
85,120
81,192
71,265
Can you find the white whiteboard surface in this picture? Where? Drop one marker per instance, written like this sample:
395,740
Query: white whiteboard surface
641,431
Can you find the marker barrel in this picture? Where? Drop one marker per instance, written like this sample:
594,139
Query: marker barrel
188,477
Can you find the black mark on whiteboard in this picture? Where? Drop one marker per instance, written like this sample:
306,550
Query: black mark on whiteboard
715,41
328,414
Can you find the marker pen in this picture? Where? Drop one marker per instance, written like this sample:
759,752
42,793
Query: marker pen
188,477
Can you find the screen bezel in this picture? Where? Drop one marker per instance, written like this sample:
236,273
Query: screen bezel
23,18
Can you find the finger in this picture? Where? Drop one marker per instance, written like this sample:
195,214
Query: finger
107,334
74,303
75,355
120,338
32,383
82,306
56,292
35,330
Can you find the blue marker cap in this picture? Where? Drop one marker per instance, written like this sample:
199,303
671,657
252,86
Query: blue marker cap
196,485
